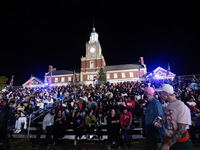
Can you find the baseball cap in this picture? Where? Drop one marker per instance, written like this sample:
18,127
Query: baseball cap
166,88
149,90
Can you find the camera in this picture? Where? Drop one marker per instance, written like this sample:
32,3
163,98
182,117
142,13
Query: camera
158,122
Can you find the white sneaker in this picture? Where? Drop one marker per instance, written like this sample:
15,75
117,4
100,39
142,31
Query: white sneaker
18,131
15,131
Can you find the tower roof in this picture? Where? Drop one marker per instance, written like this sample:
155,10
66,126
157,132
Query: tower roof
93,30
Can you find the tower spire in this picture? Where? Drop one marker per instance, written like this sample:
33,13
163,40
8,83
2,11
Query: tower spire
93,23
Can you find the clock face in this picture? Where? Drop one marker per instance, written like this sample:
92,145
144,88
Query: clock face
92,50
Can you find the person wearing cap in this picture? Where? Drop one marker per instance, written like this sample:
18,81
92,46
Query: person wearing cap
177,121
153,133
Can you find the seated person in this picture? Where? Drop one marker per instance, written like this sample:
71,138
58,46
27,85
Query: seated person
90,123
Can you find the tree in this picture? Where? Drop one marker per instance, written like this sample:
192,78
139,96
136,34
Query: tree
3,81
76,80
102,76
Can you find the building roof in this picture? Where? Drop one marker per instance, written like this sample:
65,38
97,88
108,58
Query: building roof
33,79
123,67
62,72
106,68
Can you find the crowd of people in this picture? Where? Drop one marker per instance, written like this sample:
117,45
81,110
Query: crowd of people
92,107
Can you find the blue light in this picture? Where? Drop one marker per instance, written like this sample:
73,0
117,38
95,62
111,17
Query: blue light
46,84
157,76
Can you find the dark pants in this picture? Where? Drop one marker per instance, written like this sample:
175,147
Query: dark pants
99,132
78,132
4,137
114,136
7,140
193,130
49,133
90,129
126,137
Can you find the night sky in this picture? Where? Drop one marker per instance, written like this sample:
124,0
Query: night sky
36,34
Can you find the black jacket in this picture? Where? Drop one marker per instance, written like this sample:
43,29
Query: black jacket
11,116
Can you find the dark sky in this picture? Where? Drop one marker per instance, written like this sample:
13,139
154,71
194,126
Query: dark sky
36,34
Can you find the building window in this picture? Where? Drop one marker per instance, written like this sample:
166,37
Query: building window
123,75
131,74
115,75
69,79
108,76
56,80
88,77
63,79
91,64
91,77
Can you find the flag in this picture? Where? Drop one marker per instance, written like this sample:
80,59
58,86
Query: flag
11,81
139,73
168,69
31,79
74,77
106,74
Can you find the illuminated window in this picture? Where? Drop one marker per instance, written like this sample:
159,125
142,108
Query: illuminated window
123,75
56,80
131,74
69,79
115,75
91,64
108,76
63,79
88,77
91,77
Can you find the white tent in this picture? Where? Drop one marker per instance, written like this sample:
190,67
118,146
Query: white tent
161,74
36,82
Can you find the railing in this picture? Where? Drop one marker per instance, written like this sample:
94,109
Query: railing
45,110
30,119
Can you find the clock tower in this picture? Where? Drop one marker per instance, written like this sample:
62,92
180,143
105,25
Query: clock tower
94,60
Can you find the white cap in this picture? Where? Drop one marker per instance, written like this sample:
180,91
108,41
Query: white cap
166,88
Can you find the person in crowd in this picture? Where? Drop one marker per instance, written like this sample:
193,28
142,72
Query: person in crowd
191,102
59,126
113,128
177,121
49,102
20,119
198,102
47,128
40,104
106,97
184,97
195,115
101,121
154,134
92,104
59,107
29,110
130,104
67,115
125,122
90,123
78,126
137,97
4,114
